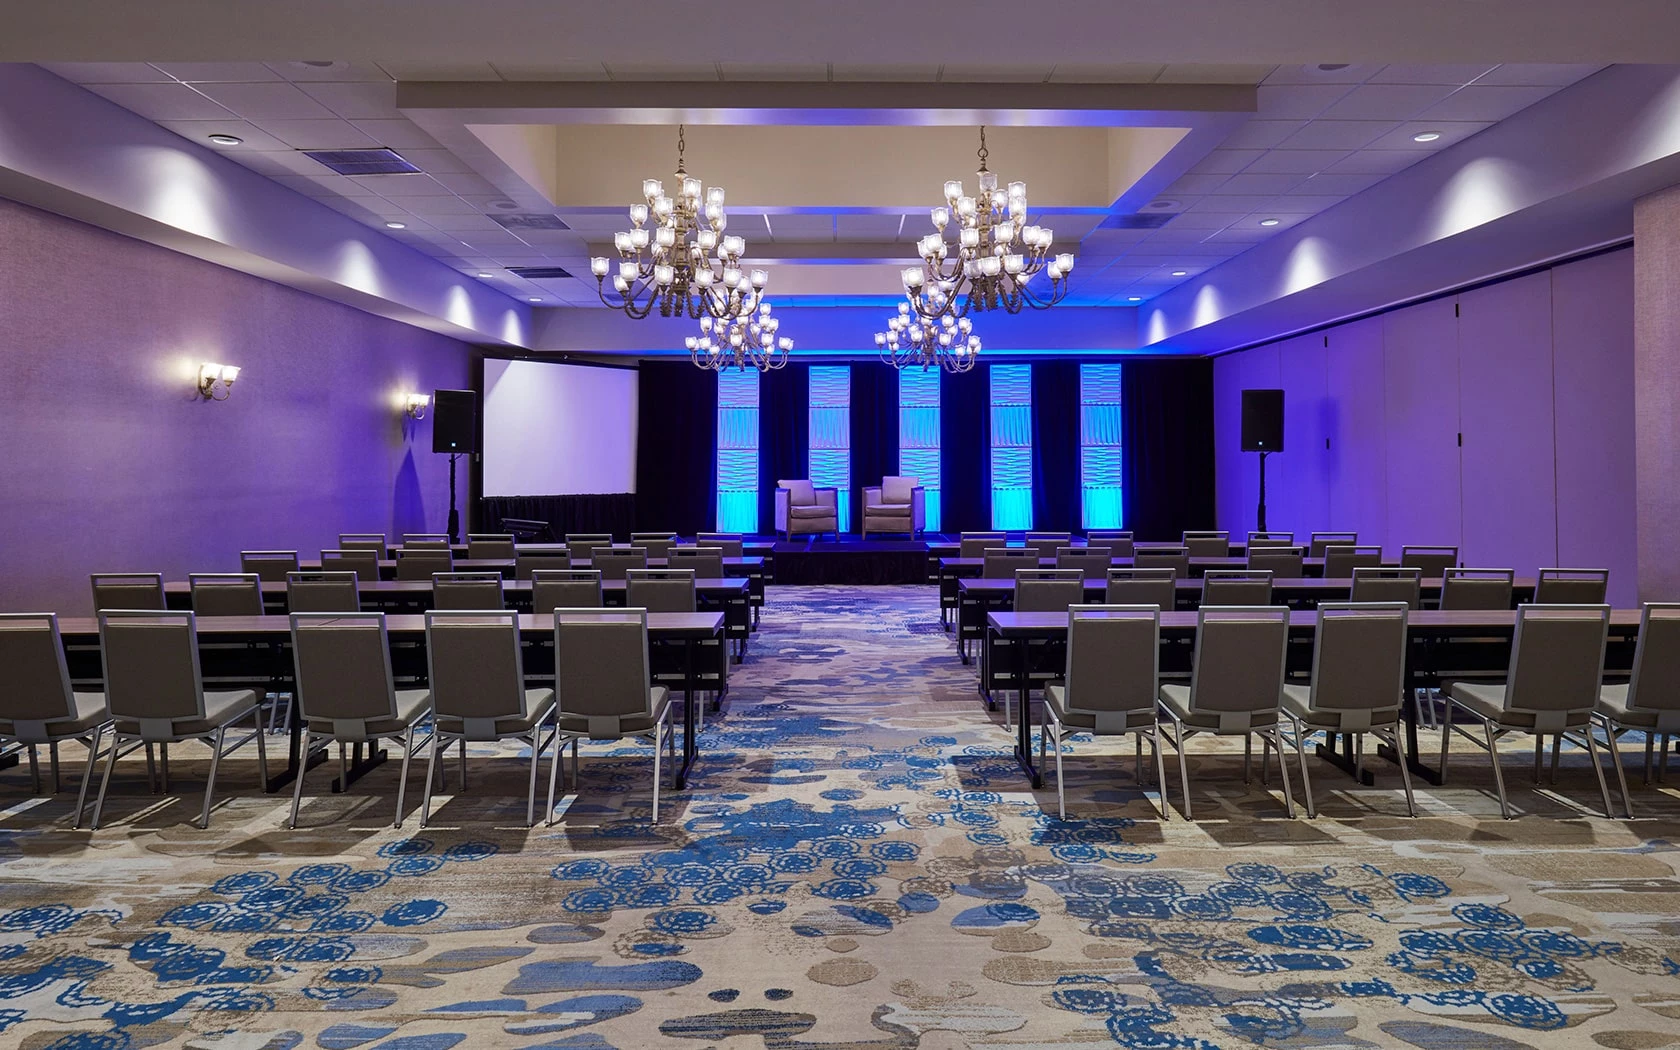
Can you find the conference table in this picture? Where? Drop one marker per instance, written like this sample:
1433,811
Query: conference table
1472,640
258,649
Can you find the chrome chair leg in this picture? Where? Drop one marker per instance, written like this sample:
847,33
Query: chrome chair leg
297,782
87,773
1498,776
210,783
431,771
1598,768
407,742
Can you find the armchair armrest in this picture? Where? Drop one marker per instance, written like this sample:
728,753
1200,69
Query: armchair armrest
829,497
918,505
872,496
784,498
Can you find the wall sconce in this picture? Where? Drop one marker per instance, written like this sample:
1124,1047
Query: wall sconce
416,404
209,375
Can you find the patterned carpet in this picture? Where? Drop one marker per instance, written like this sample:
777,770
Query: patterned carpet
857,864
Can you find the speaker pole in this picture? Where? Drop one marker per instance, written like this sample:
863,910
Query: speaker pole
1261,525
455,514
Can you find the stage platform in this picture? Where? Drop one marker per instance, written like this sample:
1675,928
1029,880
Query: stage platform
851,560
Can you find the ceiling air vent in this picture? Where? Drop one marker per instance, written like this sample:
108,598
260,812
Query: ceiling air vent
380,161
538,273
1137,221
527,220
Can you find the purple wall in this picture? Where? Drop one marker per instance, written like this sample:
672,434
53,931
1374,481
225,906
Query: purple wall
116,467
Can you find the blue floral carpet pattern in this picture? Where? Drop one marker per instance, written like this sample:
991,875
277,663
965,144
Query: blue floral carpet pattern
856,864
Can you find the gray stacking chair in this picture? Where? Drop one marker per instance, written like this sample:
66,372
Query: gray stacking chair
1432,560
479,695
1358,684
364,563
1284,563
226,593
322,592
457,591
602,685
1040,590
553,589
1207,543
127,590
1318,542
731,543
1572,587
39,706
1340,560
1388,584
1237,587
426,541
1175,558
1236,686
525,566
1270,539
1158,587
1650,701
422,563
580,546
1551,688
657,544
490,545
1108,687
347,695
156,695
660,590
1047,543
365,541
976,544
1001,563
1092,561
614,562
707,562
268,566
1479,589
1118,541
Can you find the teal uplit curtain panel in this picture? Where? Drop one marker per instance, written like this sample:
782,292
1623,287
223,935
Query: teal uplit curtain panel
737,450
1012,474
831,434
1100,460
918,434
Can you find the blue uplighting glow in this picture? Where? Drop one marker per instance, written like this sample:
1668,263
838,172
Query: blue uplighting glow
831,434
1099,446
918,434
737,451
1012,474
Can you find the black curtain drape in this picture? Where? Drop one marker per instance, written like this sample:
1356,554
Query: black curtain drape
1167,410
965,450
874,427
1055,423
784,435
608,512
676,447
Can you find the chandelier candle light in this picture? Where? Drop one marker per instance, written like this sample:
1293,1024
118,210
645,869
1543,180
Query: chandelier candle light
997,253
740,342
949,343
676,258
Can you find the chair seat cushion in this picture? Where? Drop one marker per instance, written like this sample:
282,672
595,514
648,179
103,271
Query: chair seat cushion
1613,704
220,709
659,701
1176,698
1055,697
90,712
1487,700
1297,700
538,704
412,705
889,510
812,511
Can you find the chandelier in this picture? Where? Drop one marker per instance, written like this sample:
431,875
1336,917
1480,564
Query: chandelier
910,340
675,257
749,340
996,254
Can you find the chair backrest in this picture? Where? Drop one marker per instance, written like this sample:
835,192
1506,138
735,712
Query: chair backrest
37,676
1476,588
1572,586
128,590
269,566
1655,685
1207,543
1270,539
490,545
1320,540
1557,663
581,546
553,589
1092,561
1001,563
1341,559
151,667
1432,560
707,562
1143,587
364,541
1047,543
467,591
1387,584
1237,671
1048,590
615,561
1118,541
732,544
323,592
1283,562
1237,587
364,562
801,493
898,491
343,665
476,675
601,666
1359,660
426,541
1175,558
657,544
525,566
976,544
660,590
421,563
226,593
1113,661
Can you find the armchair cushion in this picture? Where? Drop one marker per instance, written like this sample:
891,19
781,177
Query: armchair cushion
897,490
800,493
813,511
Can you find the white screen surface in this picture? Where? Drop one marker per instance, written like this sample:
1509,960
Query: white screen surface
553,429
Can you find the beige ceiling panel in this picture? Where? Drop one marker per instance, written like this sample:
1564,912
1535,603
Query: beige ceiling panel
590,70
662,71
872,227
400,70
790,280
1105,73
1202,73
993,73
773,70
894,74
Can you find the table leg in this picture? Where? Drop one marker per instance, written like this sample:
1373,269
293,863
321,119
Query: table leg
360,766
1023,716
690,747
1429,774
1342,758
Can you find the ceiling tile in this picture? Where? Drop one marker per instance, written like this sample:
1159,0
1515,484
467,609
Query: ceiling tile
747,224
1297,101
1198,183
1386,101
218,72
1455,75
109,72
357,101
1239,204
439,70
437,162
161,101
459,183
1247,233
551,70
306,185
1291,204
1450,131
1203,73
461,223
1337,134
1528,74
1376,162
199,131
430,205
963,72
1315,73
277,162
1262,134
1250,224
660,71
774,70
1297,161
1336,183
889,73
1477,102
587,222
868,227
1226,161
319,134
397,134
1206,220
323,70
798,227
1257,182
413,185
1105,73
260,102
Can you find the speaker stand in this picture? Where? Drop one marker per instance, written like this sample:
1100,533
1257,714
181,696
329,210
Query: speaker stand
455,514
1260,524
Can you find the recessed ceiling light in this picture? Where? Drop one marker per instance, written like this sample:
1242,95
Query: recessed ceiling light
536,298
1163,204
394,225
1270,222
226,140
1181,273
486,275
1134,298
1426,136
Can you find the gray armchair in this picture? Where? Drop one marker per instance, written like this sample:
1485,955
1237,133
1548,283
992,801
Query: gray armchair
895,505
803,508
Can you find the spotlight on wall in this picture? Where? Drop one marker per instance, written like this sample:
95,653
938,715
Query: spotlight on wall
415,405
215,382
